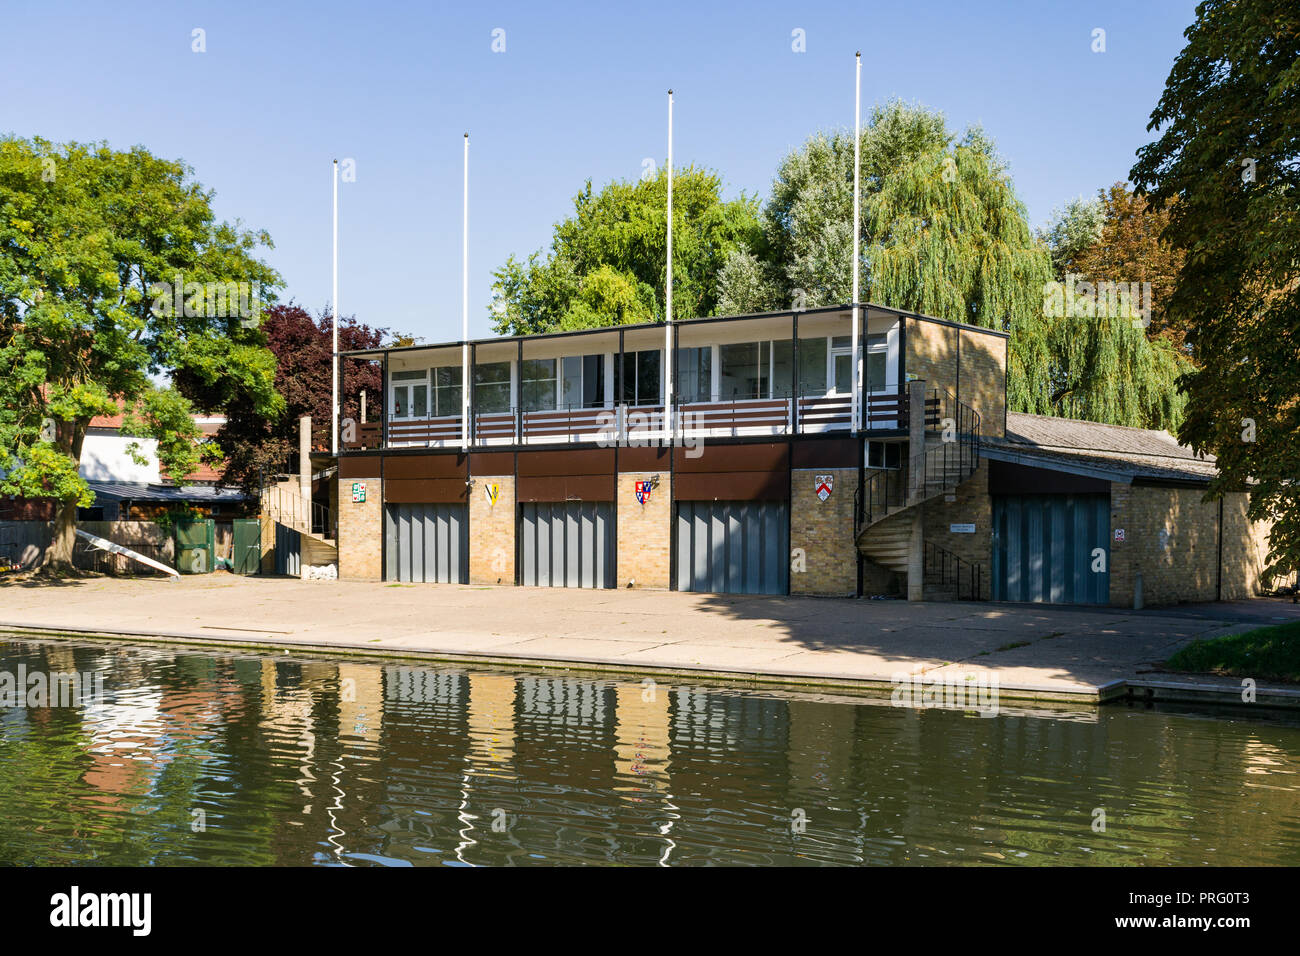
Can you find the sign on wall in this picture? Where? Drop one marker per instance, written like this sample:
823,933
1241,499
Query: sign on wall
1119,534
358,492
643,489
961,528
823,484
492,491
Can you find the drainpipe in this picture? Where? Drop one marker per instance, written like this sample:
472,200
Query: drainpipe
1137,591
304,463
916,449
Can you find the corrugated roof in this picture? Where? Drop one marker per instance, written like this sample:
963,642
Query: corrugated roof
1091,447
138,491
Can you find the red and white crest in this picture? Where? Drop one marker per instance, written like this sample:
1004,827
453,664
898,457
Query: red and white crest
823,484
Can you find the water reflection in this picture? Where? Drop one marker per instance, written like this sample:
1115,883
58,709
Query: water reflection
219,758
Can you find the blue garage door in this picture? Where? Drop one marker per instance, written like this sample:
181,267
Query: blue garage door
1051,549
566,544
427,543
736,547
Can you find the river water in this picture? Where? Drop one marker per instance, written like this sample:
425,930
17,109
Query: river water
167,757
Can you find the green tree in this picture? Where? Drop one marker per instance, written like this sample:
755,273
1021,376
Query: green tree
606,264
944,234
114,274
1072,230
1225,168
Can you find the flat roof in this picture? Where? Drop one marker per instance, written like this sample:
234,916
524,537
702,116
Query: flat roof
699,320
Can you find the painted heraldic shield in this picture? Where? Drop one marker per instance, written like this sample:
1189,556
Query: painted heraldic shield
823,485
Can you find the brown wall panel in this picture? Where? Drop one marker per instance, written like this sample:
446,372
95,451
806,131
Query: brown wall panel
827,453
446,465
577,461
424,491
732,486
723,458
565,488
1009,478
492,463
644,459
358,466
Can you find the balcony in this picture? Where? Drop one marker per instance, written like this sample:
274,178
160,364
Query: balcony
769,376
635,424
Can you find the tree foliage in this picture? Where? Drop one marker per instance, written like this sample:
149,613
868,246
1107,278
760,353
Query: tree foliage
1225,166
606,264
86,235
256,445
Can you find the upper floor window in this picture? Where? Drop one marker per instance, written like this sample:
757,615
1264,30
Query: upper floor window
584,381
492,387
640,380
539,382
411,394
695,374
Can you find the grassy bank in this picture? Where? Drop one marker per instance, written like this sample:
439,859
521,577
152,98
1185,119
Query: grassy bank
1268,653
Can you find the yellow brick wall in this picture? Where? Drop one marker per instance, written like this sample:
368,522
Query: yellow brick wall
492,531
932,355
984,379
361,531
823,552
1245,549
1182,564
972,505
644,531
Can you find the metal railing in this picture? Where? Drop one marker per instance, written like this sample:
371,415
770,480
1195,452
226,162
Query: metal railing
942,567
779,415
292,509
933,470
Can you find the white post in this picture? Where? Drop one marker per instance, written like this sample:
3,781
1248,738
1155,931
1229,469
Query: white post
465,384
856,417
668,315
334,367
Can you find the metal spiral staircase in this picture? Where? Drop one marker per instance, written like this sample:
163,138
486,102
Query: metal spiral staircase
885,505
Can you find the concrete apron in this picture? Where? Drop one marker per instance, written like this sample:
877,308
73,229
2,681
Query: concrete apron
1198,689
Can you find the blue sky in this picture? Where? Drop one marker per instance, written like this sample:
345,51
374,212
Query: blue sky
579,92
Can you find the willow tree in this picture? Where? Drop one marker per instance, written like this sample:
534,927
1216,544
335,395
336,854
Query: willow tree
944,234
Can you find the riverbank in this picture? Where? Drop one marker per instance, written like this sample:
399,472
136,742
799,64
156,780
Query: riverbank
1034,651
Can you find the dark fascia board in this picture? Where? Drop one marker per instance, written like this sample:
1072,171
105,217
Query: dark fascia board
703,320
1128,476
1002,453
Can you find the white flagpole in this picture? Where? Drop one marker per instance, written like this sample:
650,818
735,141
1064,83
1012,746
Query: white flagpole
465,384
668,315
856,417
334,368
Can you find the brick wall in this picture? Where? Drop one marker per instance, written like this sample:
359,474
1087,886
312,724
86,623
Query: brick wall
971,505
361,531
983,380
644,530
976,376
1245,549
1172,537
492,531
824,532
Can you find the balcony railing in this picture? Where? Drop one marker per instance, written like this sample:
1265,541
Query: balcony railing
621,424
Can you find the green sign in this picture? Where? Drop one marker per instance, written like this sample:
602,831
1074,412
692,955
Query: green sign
358,492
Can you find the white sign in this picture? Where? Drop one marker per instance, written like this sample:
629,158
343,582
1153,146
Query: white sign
961,528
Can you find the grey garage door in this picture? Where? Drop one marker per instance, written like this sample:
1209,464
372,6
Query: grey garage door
736,547
1052,549
426,543
566,544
